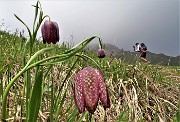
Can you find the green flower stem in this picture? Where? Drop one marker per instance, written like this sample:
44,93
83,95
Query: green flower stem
25,80
100,43
85,57
37,54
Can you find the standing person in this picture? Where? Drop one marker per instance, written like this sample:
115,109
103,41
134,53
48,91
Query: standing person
142,49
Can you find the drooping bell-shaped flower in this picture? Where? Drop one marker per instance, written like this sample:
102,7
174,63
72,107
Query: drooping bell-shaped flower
101,53
89,87
50,32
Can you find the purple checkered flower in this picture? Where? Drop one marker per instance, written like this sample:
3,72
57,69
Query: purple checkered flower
50,32
89,87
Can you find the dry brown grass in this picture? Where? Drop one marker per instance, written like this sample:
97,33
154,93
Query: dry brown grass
139,97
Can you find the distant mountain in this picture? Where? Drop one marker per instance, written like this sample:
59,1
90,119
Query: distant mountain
127,56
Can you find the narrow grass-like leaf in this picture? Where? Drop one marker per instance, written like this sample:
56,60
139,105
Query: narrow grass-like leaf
68,54
123,117
70,106
73,115
28,90
178,115
156,116
35,99
37,54
91,60
83,44
60,106
41,18
72,51
36,13
85,114
1,90
52,99
24,24
68,74
25,47
48,70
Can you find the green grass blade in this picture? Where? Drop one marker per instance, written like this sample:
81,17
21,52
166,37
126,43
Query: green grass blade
123,116
83,115
24,24
52,100
69,107
68,74
178,116
35,99
73,115
60,106
37,54
36,13
83,43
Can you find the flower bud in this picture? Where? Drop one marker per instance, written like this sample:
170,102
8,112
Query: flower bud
50,32
101,53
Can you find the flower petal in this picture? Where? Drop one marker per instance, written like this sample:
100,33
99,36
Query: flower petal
103,92
91,89
54,32
43,34
78,92
57,31
47,25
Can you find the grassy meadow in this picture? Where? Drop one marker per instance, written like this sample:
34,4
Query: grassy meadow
139,92
36,83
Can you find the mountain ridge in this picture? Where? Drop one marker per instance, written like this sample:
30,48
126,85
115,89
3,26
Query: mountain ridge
131,57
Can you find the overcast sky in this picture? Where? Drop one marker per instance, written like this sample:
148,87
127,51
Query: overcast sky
119,22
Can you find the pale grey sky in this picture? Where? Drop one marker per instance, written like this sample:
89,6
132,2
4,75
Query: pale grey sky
119,22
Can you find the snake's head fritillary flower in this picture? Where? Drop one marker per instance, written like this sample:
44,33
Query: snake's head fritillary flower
89,87
50,32
101,53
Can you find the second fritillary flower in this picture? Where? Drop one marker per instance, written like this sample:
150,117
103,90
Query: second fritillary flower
101,53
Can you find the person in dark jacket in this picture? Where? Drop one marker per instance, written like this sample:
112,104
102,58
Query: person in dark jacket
142,49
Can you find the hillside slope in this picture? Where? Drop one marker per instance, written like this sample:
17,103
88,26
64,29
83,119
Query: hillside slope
131,57
139,92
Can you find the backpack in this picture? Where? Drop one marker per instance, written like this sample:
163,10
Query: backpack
143,46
